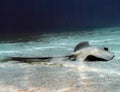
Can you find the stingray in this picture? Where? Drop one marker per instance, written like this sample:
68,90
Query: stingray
83,51
86,52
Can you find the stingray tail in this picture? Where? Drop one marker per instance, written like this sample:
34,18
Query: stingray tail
38,59
30,59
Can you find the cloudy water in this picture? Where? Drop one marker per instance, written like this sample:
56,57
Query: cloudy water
61,75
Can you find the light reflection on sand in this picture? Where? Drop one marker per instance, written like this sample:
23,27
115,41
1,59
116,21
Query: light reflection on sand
41,89
62,76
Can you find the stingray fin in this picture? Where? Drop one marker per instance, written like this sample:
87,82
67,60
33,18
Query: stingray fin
81,45
93,58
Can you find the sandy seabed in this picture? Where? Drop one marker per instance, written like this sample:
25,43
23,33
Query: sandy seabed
56,78
41,89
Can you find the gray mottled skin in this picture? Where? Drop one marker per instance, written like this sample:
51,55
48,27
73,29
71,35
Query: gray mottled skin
86,50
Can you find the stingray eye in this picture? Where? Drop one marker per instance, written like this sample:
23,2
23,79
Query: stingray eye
105,48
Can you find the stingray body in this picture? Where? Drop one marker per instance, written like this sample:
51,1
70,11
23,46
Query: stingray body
86,52
82,51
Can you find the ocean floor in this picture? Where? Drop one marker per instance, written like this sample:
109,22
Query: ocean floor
60,75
